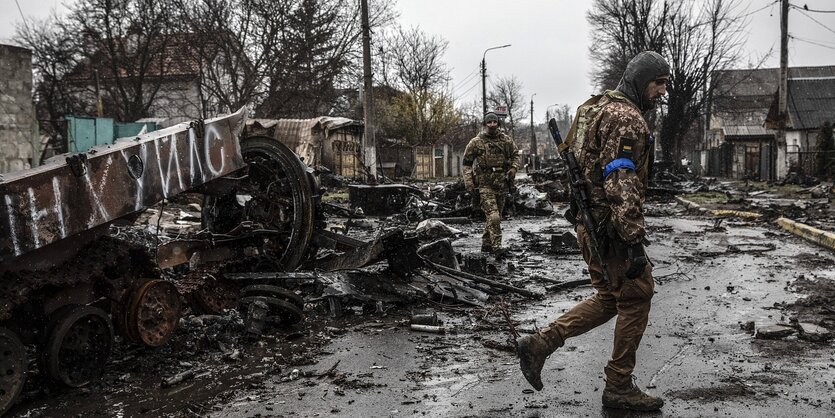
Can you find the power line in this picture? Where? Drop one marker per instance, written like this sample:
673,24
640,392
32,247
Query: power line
460,96
806,8
22,17
812,42
465,79
760,9
817,21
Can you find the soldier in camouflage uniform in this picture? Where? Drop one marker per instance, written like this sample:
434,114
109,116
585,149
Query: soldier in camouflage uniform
491,160
615,155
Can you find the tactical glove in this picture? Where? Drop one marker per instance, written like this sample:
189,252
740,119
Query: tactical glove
637,259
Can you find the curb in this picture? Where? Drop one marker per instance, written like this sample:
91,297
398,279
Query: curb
718,212
820,237
812,234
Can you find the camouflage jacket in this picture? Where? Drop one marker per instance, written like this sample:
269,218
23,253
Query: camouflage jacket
487,160
616,154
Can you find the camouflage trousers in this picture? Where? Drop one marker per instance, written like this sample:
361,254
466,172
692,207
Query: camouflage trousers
625,298
492,203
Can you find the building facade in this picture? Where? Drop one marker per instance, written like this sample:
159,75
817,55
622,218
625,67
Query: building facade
19,144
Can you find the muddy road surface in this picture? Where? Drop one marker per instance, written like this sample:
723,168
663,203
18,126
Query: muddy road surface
717,284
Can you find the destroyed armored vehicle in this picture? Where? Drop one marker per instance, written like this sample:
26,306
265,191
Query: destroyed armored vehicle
67,286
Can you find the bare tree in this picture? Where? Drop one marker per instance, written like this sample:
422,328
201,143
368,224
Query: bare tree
703,38
697,38
423,113
125,44
507,91
238,40
55,54
622,29
319,55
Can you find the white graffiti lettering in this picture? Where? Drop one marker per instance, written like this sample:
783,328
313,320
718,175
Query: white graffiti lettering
59,206
212,135
12,230
35,218
99,211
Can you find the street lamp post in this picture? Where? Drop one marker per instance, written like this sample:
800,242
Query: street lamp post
484,77
533,138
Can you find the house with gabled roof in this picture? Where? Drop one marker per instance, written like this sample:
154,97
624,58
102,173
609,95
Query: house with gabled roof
740,141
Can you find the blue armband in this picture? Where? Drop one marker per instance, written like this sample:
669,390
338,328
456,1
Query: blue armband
616,164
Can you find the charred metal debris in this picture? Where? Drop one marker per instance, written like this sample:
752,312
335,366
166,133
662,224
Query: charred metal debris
196,223
127,239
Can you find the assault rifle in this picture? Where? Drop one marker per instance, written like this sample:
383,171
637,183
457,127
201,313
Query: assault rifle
579,194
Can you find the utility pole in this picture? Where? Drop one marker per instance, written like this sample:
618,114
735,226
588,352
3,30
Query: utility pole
533,138
99,104
484,77
483,85
782,92
369,143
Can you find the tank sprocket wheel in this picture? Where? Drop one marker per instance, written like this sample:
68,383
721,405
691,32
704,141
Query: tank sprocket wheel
78,345
153,312
281,311
273,291
12,368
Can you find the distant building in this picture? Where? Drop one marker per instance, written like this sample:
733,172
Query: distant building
811,102
739,143
19,143
178,71
333,143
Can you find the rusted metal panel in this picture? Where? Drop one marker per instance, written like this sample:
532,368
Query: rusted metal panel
74,193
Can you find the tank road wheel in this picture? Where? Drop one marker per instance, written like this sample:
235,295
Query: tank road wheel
152,313
12,368
275,292
278,194
216,296
78,345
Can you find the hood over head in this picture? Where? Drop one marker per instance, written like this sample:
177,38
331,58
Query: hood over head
640,71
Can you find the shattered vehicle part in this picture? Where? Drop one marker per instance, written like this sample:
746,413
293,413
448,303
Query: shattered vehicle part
281,312
54,202
78,344
57,259
275,191
216,296
384,199
273,291
491,283
440,252
13,363
256,316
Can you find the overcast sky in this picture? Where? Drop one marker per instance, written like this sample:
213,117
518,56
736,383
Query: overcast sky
549,40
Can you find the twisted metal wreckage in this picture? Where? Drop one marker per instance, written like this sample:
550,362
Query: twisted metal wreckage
66,284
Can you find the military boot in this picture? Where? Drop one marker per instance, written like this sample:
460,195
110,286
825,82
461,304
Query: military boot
629,396
532,351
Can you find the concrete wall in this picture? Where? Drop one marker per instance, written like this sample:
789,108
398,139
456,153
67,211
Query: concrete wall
18,130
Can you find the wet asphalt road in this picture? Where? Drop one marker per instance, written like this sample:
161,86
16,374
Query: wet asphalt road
694,352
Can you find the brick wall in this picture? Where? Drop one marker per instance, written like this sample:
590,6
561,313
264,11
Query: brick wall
17,125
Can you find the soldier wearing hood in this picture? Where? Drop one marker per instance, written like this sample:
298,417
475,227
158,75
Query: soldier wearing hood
615,151
491,161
